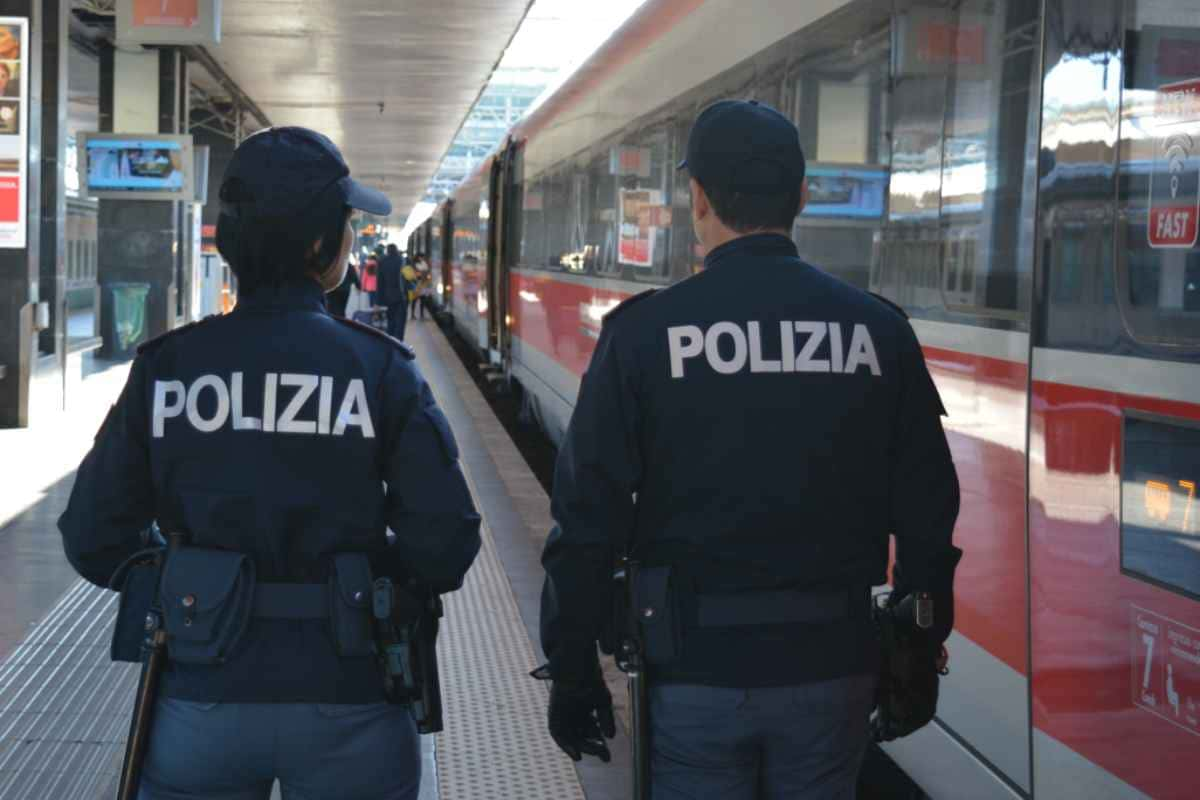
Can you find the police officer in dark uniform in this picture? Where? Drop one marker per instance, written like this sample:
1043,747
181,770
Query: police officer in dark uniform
749,436
284,443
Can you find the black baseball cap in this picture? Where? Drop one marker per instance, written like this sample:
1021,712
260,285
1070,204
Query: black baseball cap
283,172
745,146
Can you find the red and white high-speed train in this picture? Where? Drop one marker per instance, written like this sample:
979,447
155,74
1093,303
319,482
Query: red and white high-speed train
1023,177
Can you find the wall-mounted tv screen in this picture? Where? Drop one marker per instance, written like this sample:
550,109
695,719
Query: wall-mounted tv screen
137,166
854,191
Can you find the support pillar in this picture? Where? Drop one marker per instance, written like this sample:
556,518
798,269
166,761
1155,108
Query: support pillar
141,241
52,282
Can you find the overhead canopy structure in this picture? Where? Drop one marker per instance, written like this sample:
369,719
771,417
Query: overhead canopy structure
390,81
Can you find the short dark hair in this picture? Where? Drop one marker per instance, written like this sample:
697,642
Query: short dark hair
271,251
392,250
746,212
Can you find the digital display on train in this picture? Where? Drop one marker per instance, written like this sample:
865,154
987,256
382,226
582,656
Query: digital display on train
1160,509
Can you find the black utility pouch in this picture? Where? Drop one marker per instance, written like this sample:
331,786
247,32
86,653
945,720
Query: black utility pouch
138,580
207,600
657,616
350,592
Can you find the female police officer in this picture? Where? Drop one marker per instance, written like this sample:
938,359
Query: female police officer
284,443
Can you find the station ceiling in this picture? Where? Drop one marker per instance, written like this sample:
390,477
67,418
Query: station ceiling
390,81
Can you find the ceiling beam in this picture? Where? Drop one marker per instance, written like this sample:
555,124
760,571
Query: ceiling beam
204,58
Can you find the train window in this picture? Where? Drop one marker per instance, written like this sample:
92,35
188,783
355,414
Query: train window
513,214
1160,501
843,90
600,242
557,212
685,257
533,225
643,212
964,112
1158,198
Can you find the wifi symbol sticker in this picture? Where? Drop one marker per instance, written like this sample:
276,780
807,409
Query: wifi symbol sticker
1174,220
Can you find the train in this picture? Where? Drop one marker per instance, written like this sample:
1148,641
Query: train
1022,177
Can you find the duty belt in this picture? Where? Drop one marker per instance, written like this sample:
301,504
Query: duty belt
781,606
291,601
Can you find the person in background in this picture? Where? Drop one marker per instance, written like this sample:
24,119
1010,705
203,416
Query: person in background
425,280
412,277
336,300
392,291
370,274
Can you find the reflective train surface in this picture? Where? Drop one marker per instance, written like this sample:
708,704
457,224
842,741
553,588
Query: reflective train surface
1023,178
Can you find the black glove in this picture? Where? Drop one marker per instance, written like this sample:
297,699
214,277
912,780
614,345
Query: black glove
581,718
912,661
581,715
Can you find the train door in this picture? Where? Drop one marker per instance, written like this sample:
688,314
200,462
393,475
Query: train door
1114,465
959,128
499,202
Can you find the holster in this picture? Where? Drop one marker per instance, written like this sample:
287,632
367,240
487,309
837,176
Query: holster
207,600
406,624
137,580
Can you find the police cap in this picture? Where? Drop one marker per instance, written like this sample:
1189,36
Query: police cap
285,172
745,146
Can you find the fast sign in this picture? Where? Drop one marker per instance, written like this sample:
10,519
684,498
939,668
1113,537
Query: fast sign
1175,178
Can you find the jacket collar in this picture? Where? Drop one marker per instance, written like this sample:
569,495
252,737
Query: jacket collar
756,244
300,295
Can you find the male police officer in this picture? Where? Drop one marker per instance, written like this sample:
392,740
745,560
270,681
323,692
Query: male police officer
283,442
750,436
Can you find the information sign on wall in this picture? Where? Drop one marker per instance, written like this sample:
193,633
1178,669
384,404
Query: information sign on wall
14,125
1175,178
178,22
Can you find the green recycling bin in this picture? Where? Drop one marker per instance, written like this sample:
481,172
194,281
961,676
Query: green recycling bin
126,327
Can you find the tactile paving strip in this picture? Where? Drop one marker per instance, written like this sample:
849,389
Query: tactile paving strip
495,745
64,707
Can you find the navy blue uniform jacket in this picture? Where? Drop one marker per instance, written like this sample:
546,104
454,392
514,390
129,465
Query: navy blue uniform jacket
391,288
759,426
278,431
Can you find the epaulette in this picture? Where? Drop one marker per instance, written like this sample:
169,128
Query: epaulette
151,344
407,351
890,304
626,303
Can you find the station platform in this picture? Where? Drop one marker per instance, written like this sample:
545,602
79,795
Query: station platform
64,707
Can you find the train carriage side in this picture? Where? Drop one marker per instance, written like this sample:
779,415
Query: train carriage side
468,254
1004,171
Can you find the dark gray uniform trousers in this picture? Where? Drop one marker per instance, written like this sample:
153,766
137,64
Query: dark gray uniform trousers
802,742
235,751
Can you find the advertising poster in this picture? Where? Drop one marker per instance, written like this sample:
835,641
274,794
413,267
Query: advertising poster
637,230
14,121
